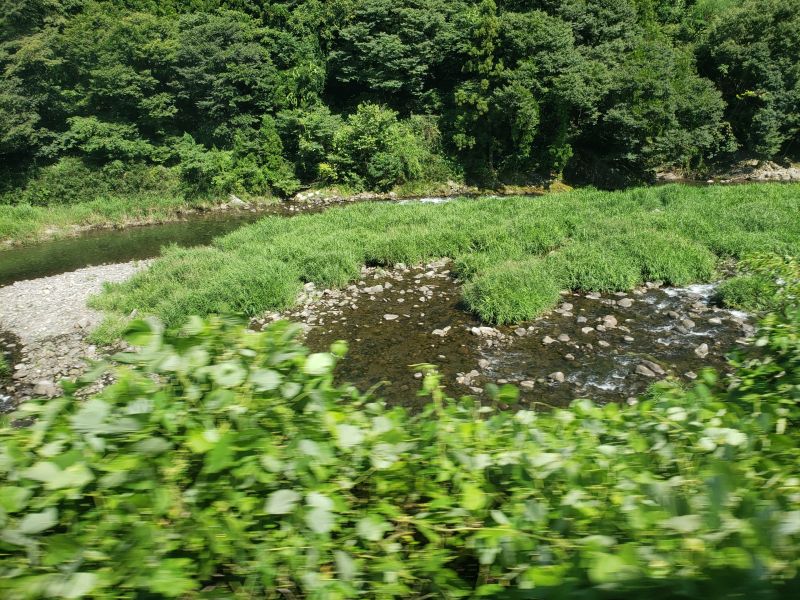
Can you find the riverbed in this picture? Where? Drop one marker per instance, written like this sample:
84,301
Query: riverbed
608,347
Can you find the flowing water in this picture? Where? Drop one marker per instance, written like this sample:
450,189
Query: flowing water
605,347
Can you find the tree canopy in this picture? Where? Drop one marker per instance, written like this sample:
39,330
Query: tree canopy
511,89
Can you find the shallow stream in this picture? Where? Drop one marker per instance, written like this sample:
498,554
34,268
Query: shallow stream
607,347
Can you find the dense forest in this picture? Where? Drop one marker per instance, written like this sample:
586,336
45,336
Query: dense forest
265,97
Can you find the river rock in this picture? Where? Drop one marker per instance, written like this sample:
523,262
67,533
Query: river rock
548,340
701,350
519,331
688,323
390,317
442,332
527,384
375,289
715,321
642,370
237,202
557,377
484,331
625,303
563,337
610,321
46,388
654,367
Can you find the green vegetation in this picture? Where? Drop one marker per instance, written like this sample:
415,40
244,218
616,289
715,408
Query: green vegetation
25,223
225,463
259,98
515,254
5,368
760,284
68,196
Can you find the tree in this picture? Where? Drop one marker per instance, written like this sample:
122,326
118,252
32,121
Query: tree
753,55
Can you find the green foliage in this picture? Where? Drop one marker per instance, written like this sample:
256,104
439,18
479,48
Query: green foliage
753,53
375,150
72,181
516,91
226,463
764,283
514,253
5,368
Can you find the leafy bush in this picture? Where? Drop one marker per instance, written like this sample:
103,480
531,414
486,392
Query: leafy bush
227,463
761,284
374,150
73,180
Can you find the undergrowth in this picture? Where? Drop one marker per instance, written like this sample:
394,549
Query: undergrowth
226,463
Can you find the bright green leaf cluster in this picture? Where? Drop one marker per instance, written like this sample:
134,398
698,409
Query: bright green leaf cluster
225,463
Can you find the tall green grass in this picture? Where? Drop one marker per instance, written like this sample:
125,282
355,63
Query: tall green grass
515,254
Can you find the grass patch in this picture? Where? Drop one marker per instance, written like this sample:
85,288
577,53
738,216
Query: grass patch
753,293
5,368
514,253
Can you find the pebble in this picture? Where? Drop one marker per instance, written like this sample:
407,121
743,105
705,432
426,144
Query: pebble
390,317
587,330
715,321
701,350
557,377
520,332
563,337
548,340
527,384
610,321
625,303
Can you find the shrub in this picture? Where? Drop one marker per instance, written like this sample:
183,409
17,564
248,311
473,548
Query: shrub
373,149
762,284
73,180
227,463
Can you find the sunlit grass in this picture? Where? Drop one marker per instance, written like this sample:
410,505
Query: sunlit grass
514,254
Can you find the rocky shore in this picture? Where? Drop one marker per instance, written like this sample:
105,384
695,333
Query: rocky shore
742,172
49,321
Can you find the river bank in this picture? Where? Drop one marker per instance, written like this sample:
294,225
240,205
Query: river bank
49,324
22,225
609,347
